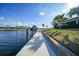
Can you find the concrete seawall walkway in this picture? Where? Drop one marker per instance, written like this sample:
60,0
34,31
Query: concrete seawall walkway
37,46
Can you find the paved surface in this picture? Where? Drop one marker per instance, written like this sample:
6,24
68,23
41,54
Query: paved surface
37,46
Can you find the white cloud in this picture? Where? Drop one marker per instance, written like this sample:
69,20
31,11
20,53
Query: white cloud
42,13
2,17
66,9
17,24
69,6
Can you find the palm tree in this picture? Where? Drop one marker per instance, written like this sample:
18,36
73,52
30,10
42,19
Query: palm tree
43,25
74,11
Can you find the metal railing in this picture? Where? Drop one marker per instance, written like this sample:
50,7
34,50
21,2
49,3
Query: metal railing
29,34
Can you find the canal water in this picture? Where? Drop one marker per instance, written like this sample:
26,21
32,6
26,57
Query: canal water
11,42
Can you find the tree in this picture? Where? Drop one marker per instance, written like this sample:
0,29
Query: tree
43,25
58,20
74,11
47,26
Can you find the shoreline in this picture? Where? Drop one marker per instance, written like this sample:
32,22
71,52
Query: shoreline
12,29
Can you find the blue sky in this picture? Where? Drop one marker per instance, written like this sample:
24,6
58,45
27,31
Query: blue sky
30,13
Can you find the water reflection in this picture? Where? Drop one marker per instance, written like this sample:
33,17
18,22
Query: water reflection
11,41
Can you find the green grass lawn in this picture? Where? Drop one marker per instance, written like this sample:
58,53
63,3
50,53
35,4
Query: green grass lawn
68,37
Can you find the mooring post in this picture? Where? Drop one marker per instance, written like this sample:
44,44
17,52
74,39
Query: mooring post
26,35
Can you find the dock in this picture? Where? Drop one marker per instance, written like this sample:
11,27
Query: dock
37,46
